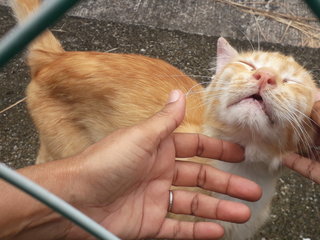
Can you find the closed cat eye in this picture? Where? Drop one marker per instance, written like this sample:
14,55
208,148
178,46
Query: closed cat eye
248,64
289,81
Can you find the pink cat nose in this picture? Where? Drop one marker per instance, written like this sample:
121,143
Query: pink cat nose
265,77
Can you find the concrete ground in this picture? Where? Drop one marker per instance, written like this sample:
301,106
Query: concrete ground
238,19
295,212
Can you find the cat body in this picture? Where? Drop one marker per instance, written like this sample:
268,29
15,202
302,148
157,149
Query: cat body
259,100
103,100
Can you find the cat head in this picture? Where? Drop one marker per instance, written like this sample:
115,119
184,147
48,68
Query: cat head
262,97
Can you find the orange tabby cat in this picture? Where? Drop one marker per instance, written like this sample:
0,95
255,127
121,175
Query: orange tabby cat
258,99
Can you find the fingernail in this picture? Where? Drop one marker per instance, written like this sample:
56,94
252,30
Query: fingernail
174,96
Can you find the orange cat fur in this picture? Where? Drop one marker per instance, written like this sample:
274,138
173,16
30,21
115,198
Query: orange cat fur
103,92
260,100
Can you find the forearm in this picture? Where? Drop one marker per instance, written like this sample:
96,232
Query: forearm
23,217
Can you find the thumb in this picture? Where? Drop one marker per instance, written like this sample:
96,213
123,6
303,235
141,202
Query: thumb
164,122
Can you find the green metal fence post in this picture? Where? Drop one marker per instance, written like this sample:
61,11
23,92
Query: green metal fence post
19,37
315,6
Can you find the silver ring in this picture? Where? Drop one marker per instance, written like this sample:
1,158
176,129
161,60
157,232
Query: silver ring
170,201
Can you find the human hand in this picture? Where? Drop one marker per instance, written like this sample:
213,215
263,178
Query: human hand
125,179
307,167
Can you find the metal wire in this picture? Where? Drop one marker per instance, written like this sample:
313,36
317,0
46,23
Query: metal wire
20,36
11,44
57,204
315,6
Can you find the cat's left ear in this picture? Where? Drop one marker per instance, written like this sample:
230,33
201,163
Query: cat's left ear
225,53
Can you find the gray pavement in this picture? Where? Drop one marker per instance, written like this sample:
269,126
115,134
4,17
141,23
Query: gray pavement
237,19
295,214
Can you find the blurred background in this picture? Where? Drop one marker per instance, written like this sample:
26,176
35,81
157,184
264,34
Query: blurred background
184,33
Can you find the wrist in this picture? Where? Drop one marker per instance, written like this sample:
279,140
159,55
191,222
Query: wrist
23,217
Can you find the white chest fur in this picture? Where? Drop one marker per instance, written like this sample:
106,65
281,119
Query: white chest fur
260,167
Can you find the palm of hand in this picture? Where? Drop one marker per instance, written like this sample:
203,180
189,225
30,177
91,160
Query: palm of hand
149,164
147,204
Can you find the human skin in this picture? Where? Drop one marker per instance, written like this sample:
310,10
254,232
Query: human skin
309,168
123,183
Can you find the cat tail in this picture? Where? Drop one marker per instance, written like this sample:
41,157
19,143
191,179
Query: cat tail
45,47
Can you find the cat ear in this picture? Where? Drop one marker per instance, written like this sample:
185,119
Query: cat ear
225,53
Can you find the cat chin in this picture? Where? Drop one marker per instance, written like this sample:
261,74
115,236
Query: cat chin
247,114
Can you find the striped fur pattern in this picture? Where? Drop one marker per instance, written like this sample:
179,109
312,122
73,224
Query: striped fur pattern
77,98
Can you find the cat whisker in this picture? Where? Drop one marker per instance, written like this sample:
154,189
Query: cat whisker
303,86
303,114
292,108
190,90
291,116
219,91
244,34
314,70
305,141
183,75
206,102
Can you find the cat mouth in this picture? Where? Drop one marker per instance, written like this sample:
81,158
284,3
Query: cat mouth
254,100
257,98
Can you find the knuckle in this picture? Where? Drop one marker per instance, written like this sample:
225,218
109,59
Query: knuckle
195,204
176,230
202,176
169,121
164,113
295,161
200,146
218,210
176,176
229,184
311,169
222,150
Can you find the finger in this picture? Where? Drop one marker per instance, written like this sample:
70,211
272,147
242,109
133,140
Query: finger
174,229
304,166
169,118
315,114
200,175
192,144
317,95
201,205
